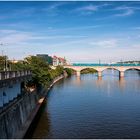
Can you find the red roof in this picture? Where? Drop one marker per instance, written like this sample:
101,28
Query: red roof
55,56
59,58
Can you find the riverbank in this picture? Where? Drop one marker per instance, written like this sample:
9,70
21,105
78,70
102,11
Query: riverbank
35,114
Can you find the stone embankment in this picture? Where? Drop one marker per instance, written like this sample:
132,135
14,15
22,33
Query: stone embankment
17,118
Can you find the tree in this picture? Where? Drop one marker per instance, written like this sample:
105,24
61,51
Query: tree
42,74
69,71
2,62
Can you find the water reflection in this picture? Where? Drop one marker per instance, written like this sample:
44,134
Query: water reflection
121,83
92,107
99,81
78,80
43,128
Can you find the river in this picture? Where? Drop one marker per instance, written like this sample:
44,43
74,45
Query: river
88,107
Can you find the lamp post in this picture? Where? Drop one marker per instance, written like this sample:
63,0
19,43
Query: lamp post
5,59
121,62
99,61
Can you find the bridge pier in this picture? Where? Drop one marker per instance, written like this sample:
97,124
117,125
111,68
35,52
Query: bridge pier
121,74
78,73
99,73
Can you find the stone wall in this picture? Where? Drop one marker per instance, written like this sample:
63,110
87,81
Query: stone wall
16,115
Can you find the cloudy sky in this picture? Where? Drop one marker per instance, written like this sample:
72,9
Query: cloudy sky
80,31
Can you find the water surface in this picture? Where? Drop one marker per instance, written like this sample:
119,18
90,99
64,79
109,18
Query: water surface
88,107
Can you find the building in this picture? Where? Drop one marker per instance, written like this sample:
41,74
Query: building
55,61
59,61
46,57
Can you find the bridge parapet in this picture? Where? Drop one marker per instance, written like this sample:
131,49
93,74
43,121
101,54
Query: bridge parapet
100,69
13,74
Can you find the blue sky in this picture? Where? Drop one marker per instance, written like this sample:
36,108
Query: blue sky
80,31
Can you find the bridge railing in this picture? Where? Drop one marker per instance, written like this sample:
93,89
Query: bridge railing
13,74
86,64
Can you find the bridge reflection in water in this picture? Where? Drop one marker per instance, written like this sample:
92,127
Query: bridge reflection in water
107,75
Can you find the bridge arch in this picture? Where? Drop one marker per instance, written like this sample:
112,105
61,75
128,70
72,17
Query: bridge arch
83,68
138,69
89,68
111,68
72,68
70,71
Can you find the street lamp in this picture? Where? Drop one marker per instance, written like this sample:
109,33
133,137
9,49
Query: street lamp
99,61
5,59
121,62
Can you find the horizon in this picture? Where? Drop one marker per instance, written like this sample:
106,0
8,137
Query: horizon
83,32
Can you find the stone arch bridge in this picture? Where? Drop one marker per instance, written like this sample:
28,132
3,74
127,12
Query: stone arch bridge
100,69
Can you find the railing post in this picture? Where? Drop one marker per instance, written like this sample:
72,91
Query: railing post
3,75
25,72
17,74
7,74
13,74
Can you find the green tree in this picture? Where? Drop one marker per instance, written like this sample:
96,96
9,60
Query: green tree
42,74
69,71
2,62
40,70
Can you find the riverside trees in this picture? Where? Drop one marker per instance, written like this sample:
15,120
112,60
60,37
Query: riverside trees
42,74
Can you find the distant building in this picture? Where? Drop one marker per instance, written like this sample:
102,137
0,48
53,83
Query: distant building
129,62
46,57
59,61
55,61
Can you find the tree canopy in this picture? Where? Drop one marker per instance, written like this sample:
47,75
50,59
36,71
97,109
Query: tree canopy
42,74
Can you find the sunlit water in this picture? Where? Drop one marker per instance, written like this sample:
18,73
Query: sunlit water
89,107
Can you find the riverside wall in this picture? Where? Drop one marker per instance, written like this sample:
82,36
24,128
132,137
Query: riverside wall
18,116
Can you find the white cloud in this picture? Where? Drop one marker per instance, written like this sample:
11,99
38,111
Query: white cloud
53,9
83,27
56,5
91,8
121,11
136,28
125,7
7,31
75,29
57,37
110,43
88,8
126,12
14,38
